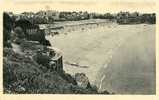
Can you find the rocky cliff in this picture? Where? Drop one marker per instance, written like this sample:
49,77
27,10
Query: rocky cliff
22,74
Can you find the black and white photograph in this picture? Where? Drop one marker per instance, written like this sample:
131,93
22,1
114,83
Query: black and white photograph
101,52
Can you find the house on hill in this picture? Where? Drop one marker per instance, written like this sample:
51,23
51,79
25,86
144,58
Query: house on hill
58,60
27,26
32,31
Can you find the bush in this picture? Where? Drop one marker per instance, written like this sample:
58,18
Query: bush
19,32
7,27
40,37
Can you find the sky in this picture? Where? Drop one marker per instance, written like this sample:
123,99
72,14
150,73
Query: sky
100,6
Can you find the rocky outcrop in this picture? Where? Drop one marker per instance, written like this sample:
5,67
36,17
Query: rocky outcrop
82,80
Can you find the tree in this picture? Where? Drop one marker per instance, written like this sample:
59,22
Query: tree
19,32
7,27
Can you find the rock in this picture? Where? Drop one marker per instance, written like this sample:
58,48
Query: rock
46,42
105,92
68,78
20,89
82,80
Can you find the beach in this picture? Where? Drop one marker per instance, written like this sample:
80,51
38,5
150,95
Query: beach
106,49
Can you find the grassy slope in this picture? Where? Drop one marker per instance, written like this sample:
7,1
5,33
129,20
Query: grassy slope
22,74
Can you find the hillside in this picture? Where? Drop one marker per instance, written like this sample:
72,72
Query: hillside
22,74
30,65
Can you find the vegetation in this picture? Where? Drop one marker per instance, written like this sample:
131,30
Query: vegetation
7,27
49,17
22,74
135,18
19,33
21,27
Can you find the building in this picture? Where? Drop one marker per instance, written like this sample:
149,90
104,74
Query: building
49,14
27,26
128,18
57,59
49,57
32,31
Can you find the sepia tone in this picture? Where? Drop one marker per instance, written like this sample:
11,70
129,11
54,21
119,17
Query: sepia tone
63,52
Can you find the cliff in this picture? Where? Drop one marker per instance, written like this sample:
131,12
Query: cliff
29,67
22,74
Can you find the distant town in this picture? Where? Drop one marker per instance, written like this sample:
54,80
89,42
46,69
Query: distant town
50,16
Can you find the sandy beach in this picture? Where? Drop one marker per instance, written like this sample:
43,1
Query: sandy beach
103,47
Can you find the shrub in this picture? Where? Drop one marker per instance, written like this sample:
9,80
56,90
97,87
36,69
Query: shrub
7,27
19,32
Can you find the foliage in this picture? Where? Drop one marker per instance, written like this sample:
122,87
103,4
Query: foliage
19,32
7,27
21,74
